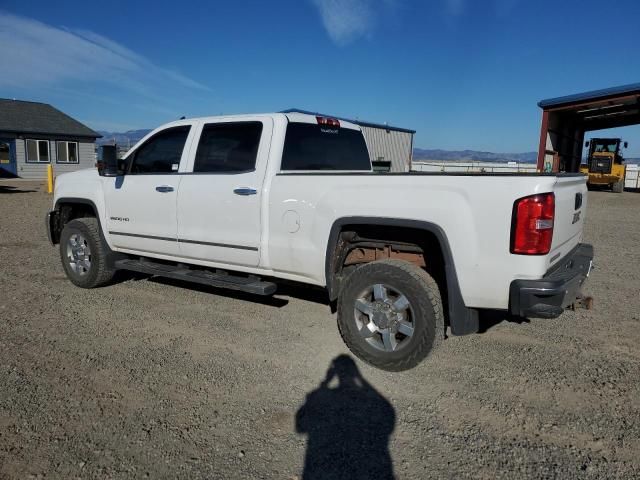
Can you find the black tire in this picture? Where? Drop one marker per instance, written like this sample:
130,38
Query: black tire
427,319
99,271
618,187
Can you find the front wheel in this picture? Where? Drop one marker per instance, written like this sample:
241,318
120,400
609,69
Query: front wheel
390,314
84,253
618,187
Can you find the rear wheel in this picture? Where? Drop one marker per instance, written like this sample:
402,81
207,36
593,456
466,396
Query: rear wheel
84,254
618,187
390,314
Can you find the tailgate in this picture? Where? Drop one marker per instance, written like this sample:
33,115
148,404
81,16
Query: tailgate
571,208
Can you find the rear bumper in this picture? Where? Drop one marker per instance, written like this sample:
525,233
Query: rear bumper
558,289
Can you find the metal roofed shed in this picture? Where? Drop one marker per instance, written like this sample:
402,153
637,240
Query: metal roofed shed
390,148
34,135
566,119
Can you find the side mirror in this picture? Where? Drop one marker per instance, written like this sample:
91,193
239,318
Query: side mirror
626,144
586,144
108,165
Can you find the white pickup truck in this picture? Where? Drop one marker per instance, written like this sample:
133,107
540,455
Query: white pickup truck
243,201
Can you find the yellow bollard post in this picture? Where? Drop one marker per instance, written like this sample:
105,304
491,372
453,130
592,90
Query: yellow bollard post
49,178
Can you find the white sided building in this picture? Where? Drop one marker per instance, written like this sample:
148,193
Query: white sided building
35,135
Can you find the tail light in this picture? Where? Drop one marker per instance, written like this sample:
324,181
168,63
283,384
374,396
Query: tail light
532,224
329,122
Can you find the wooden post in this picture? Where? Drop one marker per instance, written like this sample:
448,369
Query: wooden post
542,147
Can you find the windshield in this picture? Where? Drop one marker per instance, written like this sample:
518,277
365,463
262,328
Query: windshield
606,146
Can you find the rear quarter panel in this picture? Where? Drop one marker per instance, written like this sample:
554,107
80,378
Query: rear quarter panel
473,211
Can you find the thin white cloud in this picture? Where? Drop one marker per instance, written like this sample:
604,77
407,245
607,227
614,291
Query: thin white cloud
346,20
43,55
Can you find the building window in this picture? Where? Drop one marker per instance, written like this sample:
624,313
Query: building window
37,151
67,152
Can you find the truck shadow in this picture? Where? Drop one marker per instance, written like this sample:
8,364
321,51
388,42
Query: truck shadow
491,318
347,426
306,293
488,318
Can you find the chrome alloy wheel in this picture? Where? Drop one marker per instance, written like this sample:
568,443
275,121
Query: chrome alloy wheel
79,254
384,317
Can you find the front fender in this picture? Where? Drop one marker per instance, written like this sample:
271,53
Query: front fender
84,187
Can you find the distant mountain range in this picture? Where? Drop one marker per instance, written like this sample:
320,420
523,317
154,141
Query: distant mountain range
123,139
420,154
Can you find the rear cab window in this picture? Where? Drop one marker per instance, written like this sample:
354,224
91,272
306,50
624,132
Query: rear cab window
309,146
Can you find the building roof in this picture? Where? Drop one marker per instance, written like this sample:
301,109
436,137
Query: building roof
603,94
18,116
357,122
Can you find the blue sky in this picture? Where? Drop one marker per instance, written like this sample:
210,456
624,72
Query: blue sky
463,73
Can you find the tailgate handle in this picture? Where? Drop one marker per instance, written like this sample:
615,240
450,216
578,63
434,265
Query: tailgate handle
578,203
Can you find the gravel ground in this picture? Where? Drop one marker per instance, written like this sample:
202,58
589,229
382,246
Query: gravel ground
152,378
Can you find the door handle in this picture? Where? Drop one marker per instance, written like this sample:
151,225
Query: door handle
245,191
164,188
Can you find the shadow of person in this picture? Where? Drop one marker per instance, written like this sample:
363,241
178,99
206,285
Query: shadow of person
348,427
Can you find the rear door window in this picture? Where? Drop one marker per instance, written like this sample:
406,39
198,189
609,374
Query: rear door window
228,147
318,147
